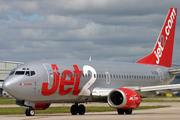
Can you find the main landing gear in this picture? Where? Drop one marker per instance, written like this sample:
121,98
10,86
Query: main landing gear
30,112
75,109
122,111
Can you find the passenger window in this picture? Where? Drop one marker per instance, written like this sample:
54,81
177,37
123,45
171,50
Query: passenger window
94,75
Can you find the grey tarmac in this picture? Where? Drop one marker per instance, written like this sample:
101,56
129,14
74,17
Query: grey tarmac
168,113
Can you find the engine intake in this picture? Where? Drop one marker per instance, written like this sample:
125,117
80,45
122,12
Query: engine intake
124,98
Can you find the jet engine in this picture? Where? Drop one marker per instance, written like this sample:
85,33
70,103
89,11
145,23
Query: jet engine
123,98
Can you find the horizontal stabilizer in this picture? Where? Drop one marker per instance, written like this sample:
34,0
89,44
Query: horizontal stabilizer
174,71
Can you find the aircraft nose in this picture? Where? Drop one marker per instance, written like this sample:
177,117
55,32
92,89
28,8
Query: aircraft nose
8,86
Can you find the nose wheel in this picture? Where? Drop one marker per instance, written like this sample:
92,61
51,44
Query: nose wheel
75,109
30,112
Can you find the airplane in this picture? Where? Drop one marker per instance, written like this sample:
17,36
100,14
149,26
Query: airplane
37,84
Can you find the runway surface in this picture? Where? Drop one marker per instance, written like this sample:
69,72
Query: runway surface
168,113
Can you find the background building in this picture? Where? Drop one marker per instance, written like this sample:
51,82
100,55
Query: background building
5,68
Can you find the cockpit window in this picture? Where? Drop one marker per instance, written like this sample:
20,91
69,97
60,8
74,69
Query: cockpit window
19,72
12,73
30,73
27,73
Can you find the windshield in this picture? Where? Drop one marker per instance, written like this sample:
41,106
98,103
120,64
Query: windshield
27,73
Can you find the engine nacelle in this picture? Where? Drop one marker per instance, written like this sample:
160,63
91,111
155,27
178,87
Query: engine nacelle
41,106
124,98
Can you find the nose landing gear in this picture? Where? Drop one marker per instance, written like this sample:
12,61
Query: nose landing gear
77,109
30,112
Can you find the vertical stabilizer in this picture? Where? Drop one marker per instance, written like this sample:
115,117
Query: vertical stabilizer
163,49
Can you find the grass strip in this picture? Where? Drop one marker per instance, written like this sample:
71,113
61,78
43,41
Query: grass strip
12,101
51,110
7,101
154,100
2,98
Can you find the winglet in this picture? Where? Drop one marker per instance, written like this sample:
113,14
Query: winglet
163,49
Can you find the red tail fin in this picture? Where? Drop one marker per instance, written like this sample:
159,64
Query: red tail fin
163,49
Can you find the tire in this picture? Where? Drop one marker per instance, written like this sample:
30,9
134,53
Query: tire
27,112
128,111
120,111
30,112
81,109
74,109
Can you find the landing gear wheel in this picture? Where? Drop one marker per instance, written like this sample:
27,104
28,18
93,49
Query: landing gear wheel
27,112
74,109
81,109
128,111
120,111
30,112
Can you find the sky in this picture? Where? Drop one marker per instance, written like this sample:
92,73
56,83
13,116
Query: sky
106,30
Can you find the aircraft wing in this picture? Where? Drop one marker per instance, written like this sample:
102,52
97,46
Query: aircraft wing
103,92
176,71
